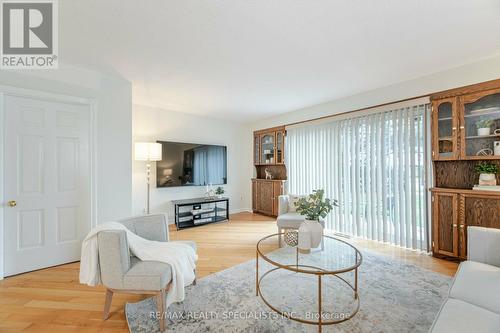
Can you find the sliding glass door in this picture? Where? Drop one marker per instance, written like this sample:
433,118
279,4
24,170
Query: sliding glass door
374,165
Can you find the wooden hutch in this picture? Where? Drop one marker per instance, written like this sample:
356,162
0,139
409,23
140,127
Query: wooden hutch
269,154
455,147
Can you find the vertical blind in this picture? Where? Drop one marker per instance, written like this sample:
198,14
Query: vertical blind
374,165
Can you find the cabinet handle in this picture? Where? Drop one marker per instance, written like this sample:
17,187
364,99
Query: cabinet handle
462,127
454,128
454,225
461,226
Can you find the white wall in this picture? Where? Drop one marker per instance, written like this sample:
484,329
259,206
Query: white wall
114,148
151,124
113,133
488,69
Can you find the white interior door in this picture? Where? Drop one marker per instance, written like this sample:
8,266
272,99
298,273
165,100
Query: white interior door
47,182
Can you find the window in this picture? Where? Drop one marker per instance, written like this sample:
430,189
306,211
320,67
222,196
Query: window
374,165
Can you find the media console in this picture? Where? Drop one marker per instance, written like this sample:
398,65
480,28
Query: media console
199,211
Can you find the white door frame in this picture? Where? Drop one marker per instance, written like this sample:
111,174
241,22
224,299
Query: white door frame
28,93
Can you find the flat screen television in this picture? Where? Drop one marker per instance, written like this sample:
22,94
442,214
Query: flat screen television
191,164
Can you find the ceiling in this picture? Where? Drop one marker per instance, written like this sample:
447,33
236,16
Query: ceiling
249,59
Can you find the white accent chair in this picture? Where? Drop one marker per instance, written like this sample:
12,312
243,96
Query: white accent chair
473,302
288,218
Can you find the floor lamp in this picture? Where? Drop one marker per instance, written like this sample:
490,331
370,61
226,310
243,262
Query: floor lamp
148,152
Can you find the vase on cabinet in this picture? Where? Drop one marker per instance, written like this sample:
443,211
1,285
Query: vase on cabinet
485,131
487,179
310,235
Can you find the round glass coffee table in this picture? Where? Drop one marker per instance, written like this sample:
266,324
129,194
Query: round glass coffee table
300,286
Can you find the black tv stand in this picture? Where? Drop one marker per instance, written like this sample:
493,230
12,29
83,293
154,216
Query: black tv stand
200,211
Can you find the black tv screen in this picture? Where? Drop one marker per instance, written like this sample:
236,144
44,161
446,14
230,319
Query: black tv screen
191,164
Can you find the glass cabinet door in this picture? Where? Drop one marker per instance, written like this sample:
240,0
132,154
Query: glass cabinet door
481,125
267,147
445,129
280,139
256,150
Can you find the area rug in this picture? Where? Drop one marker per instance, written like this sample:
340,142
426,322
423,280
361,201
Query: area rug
394,297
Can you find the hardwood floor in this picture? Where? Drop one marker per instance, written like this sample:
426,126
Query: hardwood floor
52,300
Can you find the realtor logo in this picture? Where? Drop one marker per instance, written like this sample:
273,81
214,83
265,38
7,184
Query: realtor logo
29,34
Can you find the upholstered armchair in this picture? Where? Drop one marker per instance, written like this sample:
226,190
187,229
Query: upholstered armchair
123,273
288,218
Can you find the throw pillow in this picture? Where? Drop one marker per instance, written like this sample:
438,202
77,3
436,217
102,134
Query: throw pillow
292,199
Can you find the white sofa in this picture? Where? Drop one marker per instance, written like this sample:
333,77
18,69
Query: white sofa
473,302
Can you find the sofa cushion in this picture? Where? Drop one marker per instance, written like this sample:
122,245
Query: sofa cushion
478,284
461,317
290,220
147,275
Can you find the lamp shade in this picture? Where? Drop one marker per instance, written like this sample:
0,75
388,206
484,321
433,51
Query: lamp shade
147,151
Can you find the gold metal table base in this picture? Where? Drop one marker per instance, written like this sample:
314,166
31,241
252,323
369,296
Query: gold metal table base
320,272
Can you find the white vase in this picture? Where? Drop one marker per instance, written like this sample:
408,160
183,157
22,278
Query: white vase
484,131
487,179
310,235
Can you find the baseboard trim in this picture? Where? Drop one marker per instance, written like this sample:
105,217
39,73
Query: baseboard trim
240,210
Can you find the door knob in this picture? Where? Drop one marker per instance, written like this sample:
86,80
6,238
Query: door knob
12,203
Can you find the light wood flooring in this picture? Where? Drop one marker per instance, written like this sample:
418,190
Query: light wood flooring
52,300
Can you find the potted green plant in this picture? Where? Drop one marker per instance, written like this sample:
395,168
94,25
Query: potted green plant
315,207
487,173
484,127
219,191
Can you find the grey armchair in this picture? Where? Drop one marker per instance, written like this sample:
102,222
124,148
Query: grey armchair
123,273
288,218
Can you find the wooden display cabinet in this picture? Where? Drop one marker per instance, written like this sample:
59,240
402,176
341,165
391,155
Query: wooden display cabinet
268,154
265,195
453,210
455,135
456,142
269,146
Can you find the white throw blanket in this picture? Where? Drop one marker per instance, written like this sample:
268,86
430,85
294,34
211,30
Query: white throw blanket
180,256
